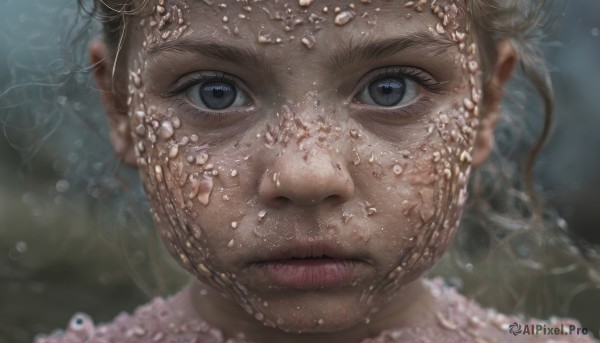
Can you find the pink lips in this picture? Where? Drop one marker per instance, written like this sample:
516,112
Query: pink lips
308,264
309,273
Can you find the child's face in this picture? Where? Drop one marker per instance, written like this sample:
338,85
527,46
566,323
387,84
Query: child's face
271,130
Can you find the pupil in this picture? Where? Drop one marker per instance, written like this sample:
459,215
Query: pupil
218,95
387,92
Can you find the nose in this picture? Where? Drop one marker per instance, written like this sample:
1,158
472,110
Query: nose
306,179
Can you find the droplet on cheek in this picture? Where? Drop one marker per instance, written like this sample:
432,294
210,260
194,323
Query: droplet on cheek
166,130
158,172
174,151
201,188
397,169
262,214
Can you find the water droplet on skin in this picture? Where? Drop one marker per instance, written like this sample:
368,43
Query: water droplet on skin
343,18
262,214
473,66
230,244
259,316
439,28
194,138
371,211
205,188
465,157
397,169
176,122
234,225
346,217
280,321
201,158
446,322
158,172
166,130
135,79
320,321
444,119
308,41
263,39
204,270
305,3
234,173
225,197
265,304
174,151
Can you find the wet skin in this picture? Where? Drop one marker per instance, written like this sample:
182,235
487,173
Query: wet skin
351,138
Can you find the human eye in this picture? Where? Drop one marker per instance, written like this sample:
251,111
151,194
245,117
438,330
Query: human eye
394,87
212,91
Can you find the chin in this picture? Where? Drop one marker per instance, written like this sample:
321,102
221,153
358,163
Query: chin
315,312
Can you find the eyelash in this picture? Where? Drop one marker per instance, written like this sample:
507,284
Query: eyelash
421,77
417,75
194,111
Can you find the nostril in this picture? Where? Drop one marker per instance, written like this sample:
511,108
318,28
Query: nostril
334,198
280,201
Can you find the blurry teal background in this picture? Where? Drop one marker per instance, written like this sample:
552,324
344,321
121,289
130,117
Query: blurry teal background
69,240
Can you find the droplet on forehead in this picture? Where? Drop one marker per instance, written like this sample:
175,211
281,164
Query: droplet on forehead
344,17
305,3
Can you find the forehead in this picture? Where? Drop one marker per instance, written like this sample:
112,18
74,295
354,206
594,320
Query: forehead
313,25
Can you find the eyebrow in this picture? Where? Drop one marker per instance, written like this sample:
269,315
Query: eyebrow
347,52
242,56
355,52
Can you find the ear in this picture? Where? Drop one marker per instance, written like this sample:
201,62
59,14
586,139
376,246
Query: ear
113,102
492,95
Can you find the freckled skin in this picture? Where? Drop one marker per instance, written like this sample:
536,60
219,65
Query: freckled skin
310,162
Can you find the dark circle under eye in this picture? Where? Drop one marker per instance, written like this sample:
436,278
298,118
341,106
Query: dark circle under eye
388,91
217,95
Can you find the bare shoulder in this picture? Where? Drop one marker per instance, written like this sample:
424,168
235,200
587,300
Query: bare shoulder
458,319
157,321
487,325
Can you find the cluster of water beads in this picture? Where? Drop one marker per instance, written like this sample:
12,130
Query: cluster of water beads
166,129
166,24
306,17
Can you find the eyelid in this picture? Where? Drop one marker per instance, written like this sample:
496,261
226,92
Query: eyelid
418,75
195,78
